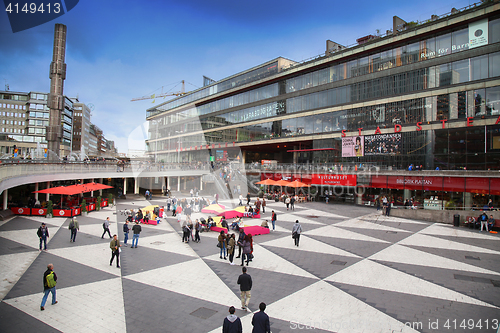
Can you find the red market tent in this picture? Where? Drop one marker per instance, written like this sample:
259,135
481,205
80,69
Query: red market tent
74,189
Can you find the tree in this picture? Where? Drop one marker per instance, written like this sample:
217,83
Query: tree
50,208
84,206
98,207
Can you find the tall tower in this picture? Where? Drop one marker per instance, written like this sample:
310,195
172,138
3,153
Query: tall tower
56,101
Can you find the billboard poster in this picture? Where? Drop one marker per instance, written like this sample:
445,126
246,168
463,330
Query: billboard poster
221,155
383,144
478,33
353,146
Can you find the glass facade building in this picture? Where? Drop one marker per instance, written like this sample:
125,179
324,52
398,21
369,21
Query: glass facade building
429,96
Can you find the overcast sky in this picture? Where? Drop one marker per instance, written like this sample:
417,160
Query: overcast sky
119,50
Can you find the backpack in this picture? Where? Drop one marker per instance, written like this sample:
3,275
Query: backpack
71,225
51,283
104,225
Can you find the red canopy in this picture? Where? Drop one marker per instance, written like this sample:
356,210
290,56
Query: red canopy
74,189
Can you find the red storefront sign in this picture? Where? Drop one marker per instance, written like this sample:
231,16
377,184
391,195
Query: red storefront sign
495,186
433,184
277,176
307,179
453,184
76,211
39,211
378,182
333,180
477,185
296,177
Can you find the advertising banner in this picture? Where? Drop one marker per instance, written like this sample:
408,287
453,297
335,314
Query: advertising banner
39,211
333,180
478,33
353,146
383,144
21,211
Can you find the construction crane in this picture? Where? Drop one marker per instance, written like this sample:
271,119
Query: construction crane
153,96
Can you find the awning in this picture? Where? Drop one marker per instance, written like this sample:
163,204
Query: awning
74,189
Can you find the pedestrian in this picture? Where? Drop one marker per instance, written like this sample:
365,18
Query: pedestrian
146,194
274,217
43,234
260,320
169,203
484,221
296,231
126,229
74,226
222,243
287,202
230,248
137,231
105,226
292,203
49,285
247,249
245,282
241,200
327,198
241,238
197,228
248,198
491,222
263,205
232,324
388,208
115,251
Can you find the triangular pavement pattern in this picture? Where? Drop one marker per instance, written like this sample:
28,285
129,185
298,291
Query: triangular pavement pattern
167,242
308,244
27,237
333,310
186,278
17,264
362,224
334,232
315,212
269,261
293,218
448,230
93,257
21,222
406,255
367,273
383,218
101,303
429,241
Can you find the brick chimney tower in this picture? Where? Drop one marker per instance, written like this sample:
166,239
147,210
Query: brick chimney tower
56,100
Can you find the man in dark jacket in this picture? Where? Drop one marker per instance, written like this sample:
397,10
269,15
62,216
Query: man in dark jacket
232,324
245,282
137,231
43,234
114,245
241,238
49,289
260,321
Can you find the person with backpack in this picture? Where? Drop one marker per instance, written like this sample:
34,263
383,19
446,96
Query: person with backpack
126,229
484,221
296,231
105,226
49,285
74,226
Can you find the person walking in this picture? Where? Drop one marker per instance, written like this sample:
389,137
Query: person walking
247,249
274,217
197,229
241,200
49,285
241,238
43,234
74,226
222,243
248,198
296,231
115,251
230,248
245,282
126,229
105,226
232,324
292,203
260,320
287,202
263,204
137,231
